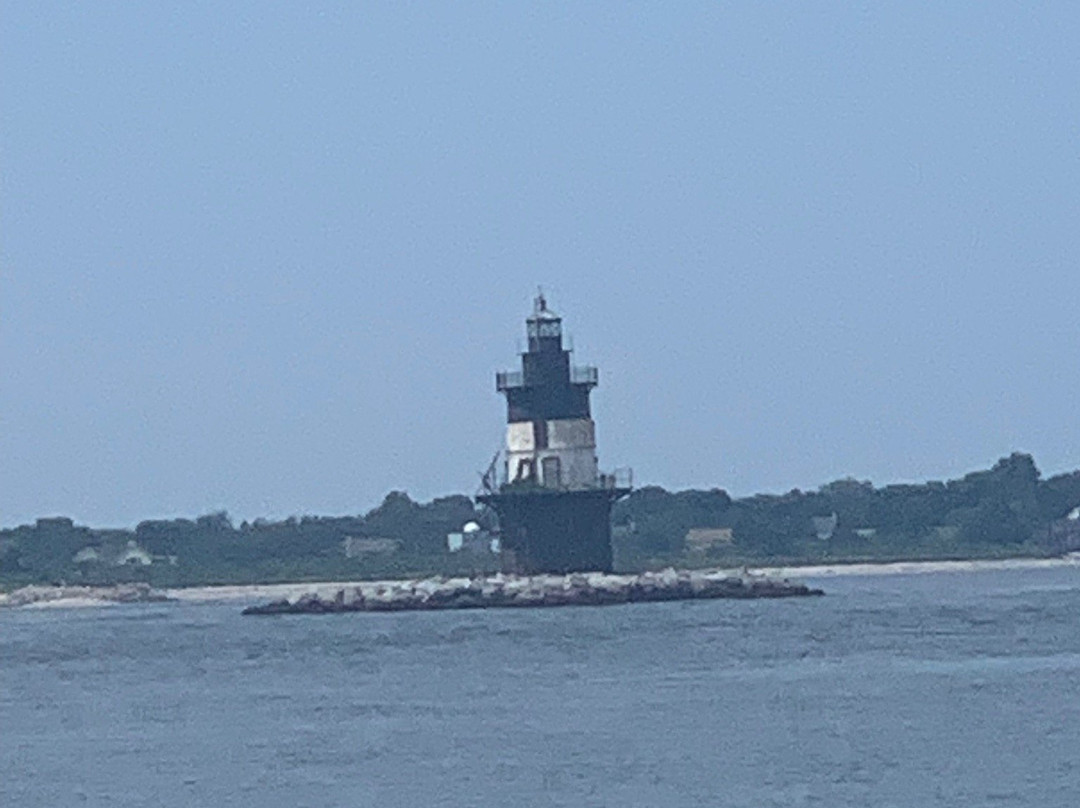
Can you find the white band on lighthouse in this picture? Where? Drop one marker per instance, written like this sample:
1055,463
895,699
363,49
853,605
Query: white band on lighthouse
554,454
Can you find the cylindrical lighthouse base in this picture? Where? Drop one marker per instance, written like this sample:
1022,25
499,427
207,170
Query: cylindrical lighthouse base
543,531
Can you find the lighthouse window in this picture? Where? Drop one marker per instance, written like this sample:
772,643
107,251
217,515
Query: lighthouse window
533,328
550,468
549,329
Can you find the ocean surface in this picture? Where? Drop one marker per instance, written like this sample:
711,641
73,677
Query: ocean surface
943,689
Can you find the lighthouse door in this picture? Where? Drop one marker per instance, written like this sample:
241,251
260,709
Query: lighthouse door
551,472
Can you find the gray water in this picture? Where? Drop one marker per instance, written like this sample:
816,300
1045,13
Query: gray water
958,689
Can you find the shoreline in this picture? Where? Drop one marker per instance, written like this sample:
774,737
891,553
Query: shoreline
234,592
871,568
225,593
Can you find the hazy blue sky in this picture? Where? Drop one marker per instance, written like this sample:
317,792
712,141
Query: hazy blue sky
267,257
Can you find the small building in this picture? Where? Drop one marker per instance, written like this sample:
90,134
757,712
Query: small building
1063,535
87,555
132,555
703,539
824,526
360,546
946,534
472,539
129,554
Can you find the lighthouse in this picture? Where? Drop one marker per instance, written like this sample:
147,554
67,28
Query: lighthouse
552,500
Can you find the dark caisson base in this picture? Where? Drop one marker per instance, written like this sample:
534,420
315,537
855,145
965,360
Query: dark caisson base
545,531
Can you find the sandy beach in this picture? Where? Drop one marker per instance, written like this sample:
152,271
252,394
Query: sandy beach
915,567
291,591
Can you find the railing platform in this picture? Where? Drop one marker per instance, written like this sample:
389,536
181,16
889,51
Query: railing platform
579,374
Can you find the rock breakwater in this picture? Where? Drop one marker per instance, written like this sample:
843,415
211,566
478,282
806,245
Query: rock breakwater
537,591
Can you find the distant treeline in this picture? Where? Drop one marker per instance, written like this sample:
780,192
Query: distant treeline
1008,510
398,537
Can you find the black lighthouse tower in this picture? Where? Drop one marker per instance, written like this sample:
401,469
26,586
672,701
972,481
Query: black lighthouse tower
553,503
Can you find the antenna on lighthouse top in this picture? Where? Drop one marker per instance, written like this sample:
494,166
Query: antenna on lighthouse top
540,304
